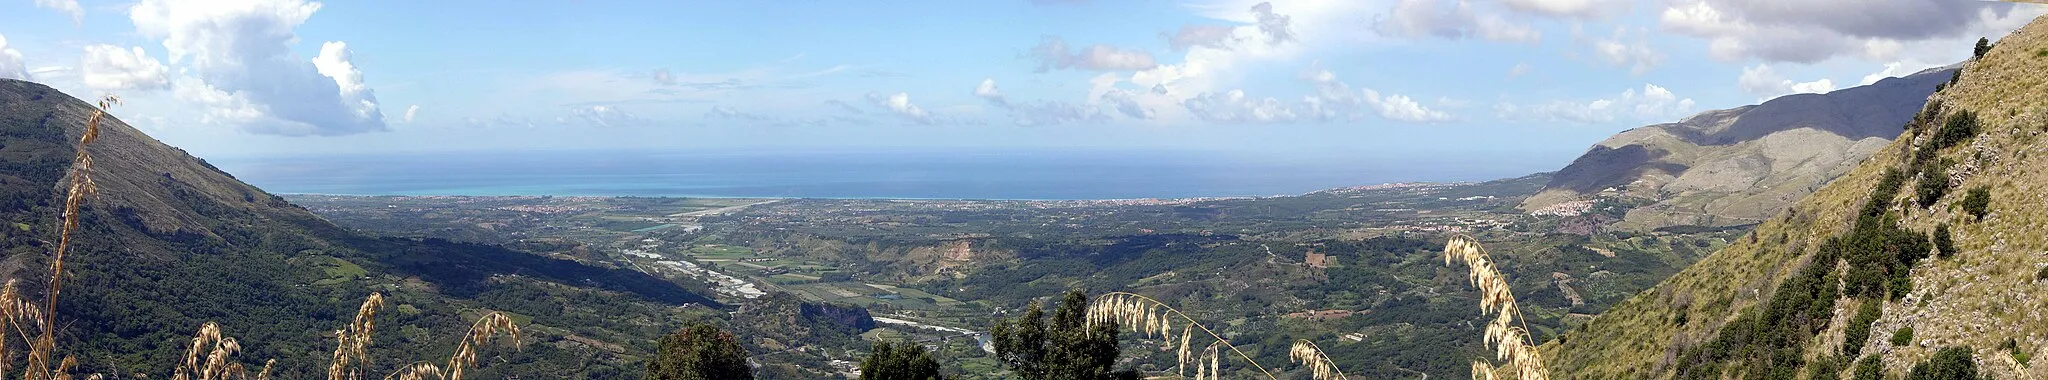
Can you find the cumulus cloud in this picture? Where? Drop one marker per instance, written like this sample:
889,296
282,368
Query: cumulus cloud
1262,32
1762,81
1634,53
1652,103
900,105
1336,100
11,64
108,67
987,91
1401,108
1808,31
1052,53
410,112
1450,19
68,7
240,53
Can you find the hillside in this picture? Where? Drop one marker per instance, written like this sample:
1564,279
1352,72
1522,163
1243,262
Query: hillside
1737,166
170,242
1770,305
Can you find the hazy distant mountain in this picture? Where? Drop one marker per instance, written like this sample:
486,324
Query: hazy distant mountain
1737,166
170,242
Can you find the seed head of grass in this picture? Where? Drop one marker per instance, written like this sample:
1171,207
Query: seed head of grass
1509,339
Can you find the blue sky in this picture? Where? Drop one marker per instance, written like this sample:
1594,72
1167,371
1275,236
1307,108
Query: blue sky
1504,79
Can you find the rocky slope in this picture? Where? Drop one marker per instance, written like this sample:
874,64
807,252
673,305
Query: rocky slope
1786,300
1737,166
170,242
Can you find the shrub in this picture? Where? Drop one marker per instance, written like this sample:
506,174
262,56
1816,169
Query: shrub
1826,368
1983,46
1960,126
2013,346
2042,275
1870,368
1933,184
1977,202
1949,363
1903,337
1944,242
1858,330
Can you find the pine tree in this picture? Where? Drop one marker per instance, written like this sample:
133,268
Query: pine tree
1067,348
907,361
700,352
1983,46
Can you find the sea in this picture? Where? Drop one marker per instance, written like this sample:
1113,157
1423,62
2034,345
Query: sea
894,174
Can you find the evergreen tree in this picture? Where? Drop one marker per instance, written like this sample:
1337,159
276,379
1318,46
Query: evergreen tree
1983,46
1953,363
1066,348
700,352
907,361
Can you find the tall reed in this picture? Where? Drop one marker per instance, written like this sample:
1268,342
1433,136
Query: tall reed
1507,333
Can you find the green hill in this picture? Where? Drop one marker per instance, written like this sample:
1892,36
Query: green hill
1784,302
170,242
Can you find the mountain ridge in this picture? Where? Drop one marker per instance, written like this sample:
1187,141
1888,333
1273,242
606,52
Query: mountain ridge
169,242
1740,165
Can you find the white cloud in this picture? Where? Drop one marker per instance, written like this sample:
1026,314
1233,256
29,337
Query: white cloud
1622,51
1160,93
1191,36
1762,81
1450,19
900,105
1807,31
987,91
1577,9
603,116
1041,113
1401,108
1234,107
240,54
1653,103
68,7
1053,53
108,67
410,112
11,63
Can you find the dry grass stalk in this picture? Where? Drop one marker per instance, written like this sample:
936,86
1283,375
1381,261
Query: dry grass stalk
1150,317
1510,341
352,343
465,357
211,357
1319,364
81,186
480,333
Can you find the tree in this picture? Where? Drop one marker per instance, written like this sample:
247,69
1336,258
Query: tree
1944,240
699,352
907,361
1977,202
1067,348
1983,46
1953,363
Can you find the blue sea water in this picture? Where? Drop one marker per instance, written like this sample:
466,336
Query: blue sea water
935,174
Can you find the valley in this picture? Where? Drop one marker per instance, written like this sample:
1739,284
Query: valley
1354,267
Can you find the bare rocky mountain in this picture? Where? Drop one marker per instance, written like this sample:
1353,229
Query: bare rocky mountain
1737,166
